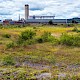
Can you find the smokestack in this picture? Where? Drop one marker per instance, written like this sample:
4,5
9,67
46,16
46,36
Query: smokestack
26,11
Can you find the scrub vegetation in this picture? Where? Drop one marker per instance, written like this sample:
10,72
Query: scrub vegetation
41,52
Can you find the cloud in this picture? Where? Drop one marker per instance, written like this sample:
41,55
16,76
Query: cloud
59,8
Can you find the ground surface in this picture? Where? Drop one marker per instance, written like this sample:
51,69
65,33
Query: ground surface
36,59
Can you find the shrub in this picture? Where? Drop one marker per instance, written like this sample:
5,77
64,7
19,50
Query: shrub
76,40
34,27
8,60
52,59
31,41
70,40
27,42
20,42
10,45
47,37
26,35
21,76
66,39
40,40
6,35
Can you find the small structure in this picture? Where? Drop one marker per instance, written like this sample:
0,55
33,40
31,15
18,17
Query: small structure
11,22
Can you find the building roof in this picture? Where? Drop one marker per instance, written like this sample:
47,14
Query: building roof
46,20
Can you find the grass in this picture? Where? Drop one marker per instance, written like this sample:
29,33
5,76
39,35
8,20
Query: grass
58,57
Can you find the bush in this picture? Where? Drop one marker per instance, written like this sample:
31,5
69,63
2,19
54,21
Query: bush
21,76
52,59
10,45
40,40
70,40
8,60
6,35
76,40
66,39
20,42
31,41
47,37
34,27
27,42
26,35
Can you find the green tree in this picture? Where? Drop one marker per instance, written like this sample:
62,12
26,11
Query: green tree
50,22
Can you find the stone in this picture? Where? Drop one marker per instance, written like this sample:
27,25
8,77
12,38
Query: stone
45,76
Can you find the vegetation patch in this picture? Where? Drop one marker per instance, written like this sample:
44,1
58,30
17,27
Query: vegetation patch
31,51
76,29
6,35
8,60
26,35
10,45
70,40
46,37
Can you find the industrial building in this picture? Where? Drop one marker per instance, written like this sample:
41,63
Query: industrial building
11,22
46,19
39,19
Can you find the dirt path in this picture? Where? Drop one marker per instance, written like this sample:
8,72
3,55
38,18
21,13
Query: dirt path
36,65
70,68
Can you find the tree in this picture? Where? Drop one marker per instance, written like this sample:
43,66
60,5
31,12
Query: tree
50,22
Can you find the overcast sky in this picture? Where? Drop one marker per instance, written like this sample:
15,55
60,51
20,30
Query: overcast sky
59,8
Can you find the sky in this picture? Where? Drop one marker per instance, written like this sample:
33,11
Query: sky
62,9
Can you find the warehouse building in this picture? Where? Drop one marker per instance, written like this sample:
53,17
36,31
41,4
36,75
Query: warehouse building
46,19
41,19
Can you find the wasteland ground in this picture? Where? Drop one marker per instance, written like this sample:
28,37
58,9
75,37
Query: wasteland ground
32,60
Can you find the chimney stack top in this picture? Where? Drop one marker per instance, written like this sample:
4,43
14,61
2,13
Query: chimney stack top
26,5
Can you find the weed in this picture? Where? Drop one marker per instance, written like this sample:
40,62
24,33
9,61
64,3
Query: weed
21,76
10,45
31,41
6,35
8,60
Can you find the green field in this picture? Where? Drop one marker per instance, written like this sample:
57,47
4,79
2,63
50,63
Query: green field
31,59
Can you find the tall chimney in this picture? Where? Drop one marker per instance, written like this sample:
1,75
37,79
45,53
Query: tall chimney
26,11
